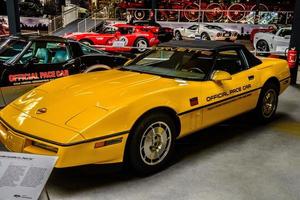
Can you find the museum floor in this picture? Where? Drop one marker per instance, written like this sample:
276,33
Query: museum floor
233,160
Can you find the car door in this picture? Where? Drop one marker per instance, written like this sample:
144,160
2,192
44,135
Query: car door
40,62
228,98
281,40
191,31
105,36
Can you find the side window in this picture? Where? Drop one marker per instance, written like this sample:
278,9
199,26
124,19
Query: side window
59,52
109,30
46,53
194,27
230,61
285,32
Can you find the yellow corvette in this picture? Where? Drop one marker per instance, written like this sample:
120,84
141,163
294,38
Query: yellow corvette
135,113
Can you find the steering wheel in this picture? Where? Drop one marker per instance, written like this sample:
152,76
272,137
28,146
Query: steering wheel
197,70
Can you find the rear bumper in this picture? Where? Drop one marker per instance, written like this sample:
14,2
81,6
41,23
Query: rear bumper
98,151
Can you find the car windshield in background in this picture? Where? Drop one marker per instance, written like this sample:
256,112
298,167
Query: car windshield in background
11,48
181,63
214,27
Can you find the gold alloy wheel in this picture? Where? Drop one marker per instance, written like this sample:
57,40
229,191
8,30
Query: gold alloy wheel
155,143
269,103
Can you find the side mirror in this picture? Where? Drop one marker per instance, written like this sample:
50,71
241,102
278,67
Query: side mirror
287,37
221,76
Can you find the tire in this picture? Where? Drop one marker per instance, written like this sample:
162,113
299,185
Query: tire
262,45
178,35
267,103
233,14
143,144
86,41
139,14
205,36
141,42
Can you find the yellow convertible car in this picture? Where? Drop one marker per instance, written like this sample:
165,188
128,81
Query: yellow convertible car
135,113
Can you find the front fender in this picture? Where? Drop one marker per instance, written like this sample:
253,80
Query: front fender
122,118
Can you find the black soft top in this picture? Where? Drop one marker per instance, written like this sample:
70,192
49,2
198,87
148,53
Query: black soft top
212,46
200,44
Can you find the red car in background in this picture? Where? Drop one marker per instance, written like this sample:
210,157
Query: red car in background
118,38
165,34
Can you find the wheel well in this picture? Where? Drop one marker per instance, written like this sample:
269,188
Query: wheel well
262,40
166,110
275,81
141,38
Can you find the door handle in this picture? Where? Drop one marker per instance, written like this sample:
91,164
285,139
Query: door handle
251,77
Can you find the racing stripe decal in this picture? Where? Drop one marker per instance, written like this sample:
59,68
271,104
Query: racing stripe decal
221,101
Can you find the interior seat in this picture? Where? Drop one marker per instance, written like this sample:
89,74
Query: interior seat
60,56
43,55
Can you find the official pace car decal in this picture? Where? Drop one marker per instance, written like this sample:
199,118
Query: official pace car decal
35,77
227,93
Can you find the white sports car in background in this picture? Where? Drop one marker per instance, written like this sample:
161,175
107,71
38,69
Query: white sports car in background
277,43
205,32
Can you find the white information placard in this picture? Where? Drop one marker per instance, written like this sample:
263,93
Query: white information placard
118,43
23,176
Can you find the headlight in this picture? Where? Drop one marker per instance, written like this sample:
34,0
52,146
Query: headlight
44,146
219,34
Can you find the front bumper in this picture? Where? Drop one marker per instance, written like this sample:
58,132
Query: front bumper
98,151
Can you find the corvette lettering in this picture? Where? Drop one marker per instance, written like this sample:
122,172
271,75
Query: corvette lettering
230,92
37,75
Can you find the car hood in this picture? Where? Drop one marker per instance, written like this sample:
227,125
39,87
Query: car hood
101,92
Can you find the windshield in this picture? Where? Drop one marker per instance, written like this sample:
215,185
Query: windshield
181,63
11,48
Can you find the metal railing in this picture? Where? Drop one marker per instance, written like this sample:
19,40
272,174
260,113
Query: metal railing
89,23
221,16
55,24
68,16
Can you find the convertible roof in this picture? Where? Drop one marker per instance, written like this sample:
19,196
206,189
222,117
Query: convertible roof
200,44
